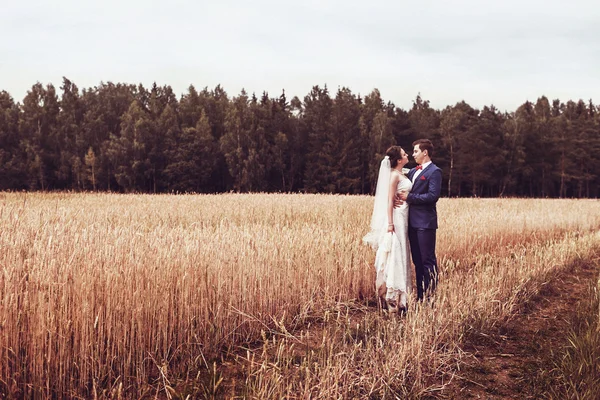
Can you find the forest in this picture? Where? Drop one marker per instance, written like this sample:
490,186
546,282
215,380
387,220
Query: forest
128,138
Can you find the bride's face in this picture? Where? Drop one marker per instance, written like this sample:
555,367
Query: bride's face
404,160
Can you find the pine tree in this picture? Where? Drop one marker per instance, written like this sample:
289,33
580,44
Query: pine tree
317,108
349,143
192,158
91,165
12,169
37,128
234,143
128,152
71,144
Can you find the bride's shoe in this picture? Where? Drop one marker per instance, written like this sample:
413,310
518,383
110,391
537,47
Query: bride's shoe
392,306
403,308
398,304
392,309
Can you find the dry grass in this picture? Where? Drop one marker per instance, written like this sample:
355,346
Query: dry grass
131,295
577,365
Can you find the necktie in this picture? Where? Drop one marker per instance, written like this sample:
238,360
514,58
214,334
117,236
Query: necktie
418,167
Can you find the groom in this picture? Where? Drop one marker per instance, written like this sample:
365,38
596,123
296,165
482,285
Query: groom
422,216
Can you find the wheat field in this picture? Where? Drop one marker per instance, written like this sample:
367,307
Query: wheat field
133,296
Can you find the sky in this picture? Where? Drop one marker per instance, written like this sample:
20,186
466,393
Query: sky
498,53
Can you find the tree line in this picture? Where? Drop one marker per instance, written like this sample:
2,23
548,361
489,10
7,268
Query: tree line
128,138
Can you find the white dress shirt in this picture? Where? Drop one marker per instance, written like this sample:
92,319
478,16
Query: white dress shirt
418,172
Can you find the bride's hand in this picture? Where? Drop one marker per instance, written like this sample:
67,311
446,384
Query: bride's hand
390,228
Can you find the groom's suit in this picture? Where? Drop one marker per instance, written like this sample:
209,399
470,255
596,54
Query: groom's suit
422,225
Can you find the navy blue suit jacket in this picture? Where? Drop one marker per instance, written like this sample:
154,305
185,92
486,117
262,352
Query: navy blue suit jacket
423,197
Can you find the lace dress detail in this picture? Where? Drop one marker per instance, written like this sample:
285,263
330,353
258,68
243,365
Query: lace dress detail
392,260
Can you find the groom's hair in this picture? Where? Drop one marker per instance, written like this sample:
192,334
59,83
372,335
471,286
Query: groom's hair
394,153
425,144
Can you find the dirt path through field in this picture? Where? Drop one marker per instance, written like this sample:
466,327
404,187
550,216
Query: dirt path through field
514,361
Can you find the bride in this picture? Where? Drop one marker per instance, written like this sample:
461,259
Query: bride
389,232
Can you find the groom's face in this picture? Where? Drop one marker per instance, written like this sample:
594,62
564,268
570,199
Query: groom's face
418,155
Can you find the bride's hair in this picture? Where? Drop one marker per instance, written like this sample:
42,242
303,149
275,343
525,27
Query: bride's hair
394,153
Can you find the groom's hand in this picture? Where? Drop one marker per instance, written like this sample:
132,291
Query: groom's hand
398,200
402,195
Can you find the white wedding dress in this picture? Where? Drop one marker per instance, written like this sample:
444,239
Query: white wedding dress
392,260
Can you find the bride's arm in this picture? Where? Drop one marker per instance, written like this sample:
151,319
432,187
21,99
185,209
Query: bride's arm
394,179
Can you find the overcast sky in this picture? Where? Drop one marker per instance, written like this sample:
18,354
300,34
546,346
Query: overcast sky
500,53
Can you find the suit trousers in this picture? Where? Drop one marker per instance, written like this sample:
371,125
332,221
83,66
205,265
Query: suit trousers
422,248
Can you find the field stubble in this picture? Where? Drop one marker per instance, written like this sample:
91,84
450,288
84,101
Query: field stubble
125,295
